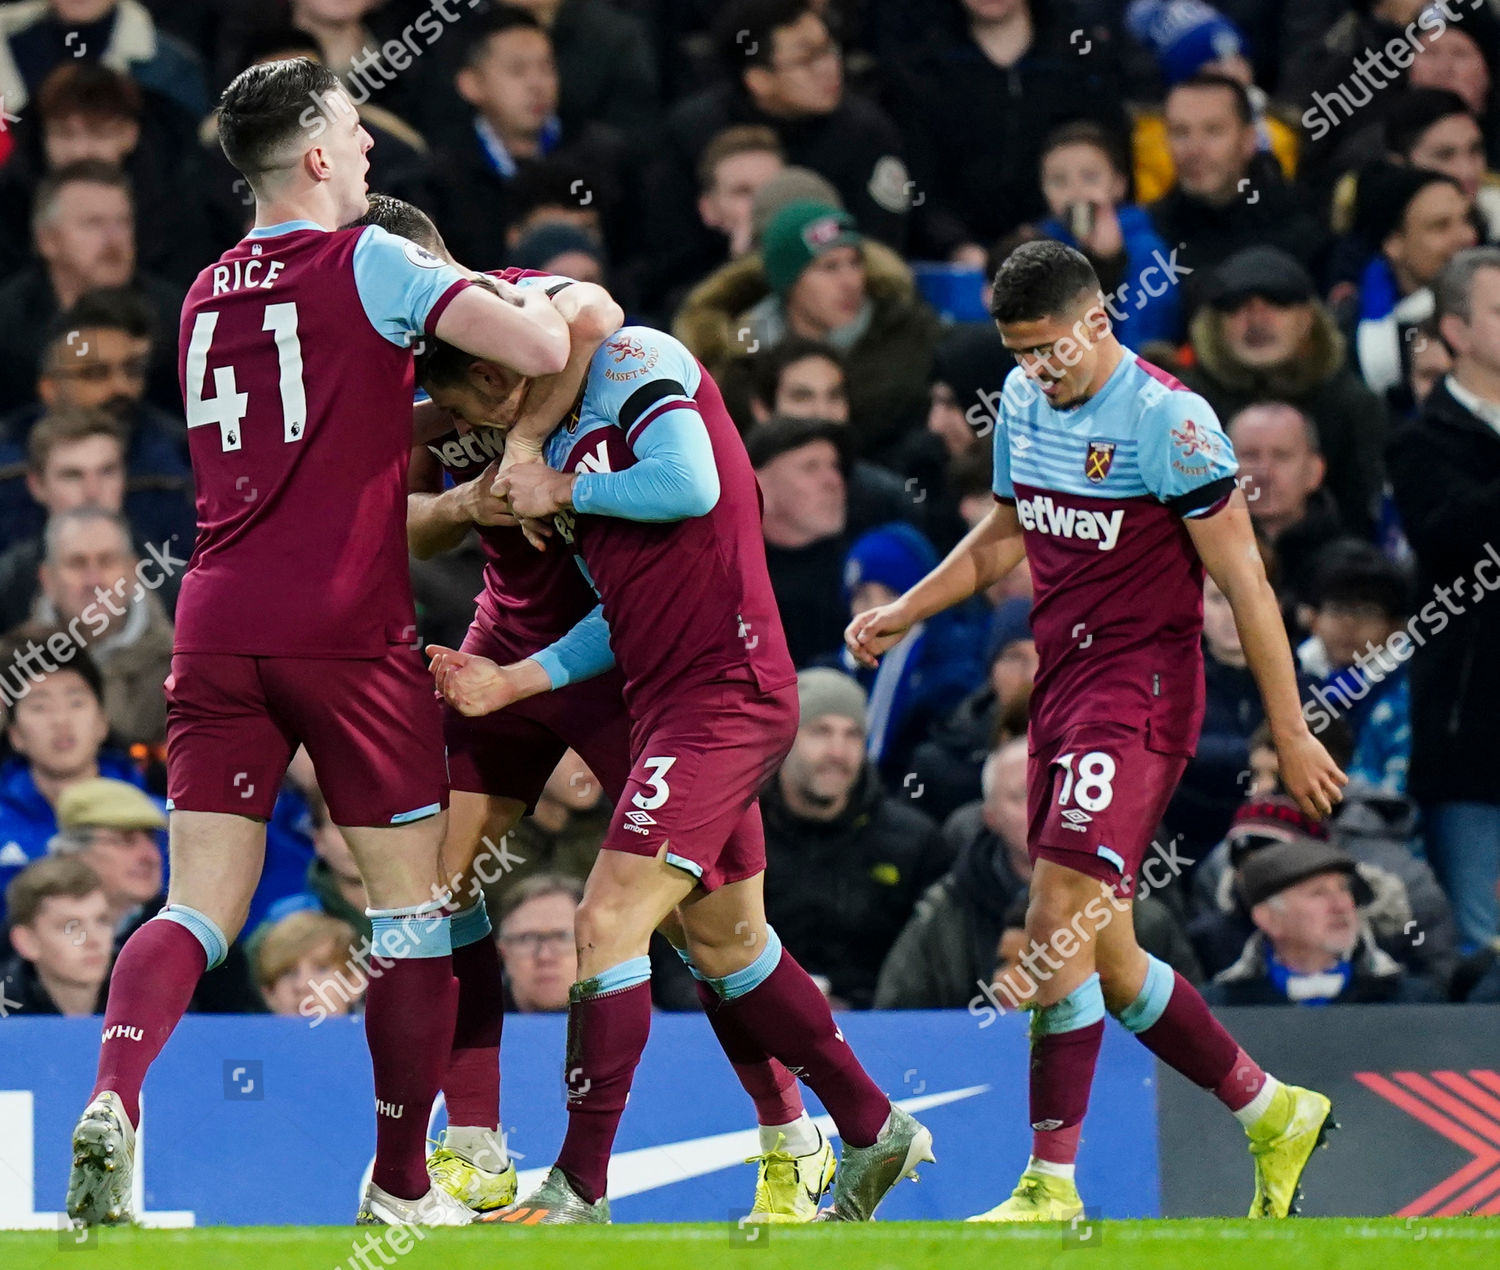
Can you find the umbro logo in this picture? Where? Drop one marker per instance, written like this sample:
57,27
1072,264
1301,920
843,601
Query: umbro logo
1076,819
1046,1126
638,822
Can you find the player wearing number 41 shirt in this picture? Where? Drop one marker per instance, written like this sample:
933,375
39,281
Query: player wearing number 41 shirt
295,617
1118,485
651,487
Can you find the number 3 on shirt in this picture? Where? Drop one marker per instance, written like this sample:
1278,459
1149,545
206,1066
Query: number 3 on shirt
228,406
656,782
1093,790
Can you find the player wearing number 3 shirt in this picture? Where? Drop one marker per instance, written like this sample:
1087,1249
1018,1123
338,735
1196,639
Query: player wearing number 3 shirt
1118,485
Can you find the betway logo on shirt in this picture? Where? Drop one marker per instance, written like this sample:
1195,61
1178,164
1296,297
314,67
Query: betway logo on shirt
1043,516
466,448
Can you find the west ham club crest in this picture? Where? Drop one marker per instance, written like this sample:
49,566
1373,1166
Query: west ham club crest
1096,463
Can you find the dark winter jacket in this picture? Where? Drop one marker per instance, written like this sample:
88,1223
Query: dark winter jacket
948,764
1445,472
838,892
1350,419
1377,979
947,952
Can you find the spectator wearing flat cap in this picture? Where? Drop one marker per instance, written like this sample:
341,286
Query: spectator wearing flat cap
801,465
1264,335
818,279
910,690
1310,907
1311,946
115,829
847,860
1415,221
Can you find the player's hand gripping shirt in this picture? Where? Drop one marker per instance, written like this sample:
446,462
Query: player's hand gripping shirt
296,372
1101,491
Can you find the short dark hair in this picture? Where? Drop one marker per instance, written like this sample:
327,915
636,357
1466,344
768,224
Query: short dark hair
1212,79
496,20
745,32
1350,573
51,877
80,172
1413,112
1309,424
767,367
87,88
1041,279
103,309
1086,133
264,107
39,633
405,220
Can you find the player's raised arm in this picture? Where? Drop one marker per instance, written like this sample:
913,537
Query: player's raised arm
592,317
523,331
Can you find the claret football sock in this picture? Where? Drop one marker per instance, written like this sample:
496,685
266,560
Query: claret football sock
149,990
774,1000
609,1019
1065,1039
471,1084
409,1011
1171,1019
773,1089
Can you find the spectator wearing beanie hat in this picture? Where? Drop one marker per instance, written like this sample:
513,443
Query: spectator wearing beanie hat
924,677
818,280
949,762
846,860
1188,37
562,249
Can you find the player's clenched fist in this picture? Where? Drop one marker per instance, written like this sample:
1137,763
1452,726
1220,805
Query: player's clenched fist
475,685
534,491
484,507
1309,774
874,631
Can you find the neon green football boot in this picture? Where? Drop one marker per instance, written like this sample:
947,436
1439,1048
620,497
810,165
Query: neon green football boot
788,1187
468,1180
1282,1141
1038,1197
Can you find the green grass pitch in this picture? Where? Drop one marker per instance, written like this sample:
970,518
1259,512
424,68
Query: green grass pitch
1308,1244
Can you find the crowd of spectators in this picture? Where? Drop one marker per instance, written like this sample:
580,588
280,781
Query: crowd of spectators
1291,207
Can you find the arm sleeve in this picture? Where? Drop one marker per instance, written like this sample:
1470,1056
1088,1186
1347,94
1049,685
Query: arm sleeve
1186,459
1004,489
403,288
580,654
675,477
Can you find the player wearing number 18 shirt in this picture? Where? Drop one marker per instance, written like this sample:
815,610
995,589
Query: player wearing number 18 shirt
295,620
1118,485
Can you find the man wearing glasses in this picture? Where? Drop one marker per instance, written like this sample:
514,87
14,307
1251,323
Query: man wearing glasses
536,943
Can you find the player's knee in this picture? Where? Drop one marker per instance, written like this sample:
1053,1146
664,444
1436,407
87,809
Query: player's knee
607,921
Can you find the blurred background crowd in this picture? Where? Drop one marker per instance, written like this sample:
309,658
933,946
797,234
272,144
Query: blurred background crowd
811,194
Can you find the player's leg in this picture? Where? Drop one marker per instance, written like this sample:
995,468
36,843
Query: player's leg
767,995
373,731
1284,1123
216,846
472,1162
609,1019
592,719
